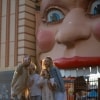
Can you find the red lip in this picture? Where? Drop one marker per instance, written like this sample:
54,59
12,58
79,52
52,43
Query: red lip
77,62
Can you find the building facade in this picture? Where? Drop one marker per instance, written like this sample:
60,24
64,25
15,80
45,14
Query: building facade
79,53
17,38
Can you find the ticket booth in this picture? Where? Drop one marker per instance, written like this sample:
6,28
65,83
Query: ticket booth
69,84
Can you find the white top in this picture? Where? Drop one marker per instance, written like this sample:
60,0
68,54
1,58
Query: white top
35,90
47,93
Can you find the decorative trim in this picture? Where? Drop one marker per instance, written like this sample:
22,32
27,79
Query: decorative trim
27,26
0,26
27,19
27,33
27,40
27,48
27,6
7,34
16,32
27,13
25,54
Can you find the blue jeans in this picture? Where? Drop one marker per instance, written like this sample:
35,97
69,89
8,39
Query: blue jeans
36,97
60,96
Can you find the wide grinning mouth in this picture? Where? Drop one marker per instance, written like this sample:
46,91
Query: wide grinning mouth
77,62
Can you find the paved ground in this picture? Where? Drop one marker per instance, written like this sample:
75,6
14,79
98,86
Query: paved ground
5,81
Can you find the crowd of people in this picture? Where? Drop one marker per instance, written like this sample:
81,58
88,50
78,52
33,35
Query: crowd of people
30,84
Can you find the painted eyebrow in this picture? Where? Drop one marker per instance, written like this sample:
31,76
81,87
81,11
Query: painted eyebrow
52,3
62,3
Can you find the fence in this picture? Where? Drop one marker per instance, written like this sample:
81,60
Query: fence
82,88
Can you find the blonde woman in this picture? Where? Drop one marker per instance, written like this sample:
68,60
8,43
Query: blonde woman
58,86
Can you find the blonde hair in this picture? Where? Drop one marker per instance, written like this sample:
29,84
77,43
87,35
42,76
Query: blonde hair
34,68
43,66
33,65
50,60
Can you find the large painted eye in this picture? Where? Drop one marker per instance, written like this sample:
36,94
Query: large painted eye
54,15
95,7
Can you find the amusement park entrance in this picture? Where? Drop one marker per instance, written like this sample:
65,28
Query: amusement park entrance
82,88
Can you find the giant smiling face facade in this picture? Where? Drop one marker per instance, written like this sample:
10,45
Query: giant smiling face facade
69,32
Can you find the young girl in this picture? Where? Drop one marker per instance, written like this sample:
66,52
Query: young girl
34,84
47,92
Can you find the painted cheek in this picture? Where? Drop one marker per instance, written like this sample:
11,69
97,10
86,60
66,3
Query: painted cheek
45,40
96,30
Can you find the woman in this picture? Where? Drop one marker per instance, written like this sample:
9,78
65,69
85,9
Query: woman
58,83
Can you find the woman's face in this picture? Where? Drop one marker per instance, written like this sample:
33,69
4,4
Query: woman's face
46,63
69,30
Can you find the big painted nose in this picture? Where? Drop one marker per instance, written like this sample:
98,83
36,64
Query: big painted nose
74,27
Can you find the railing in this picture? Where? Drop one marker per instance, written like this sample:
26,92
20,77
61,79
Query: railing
81,88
